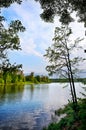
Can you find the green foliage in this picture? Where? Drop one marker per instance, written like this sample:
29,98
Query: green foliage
9,72
27,78
8,78
31,77
83,80
60,58
70,114
1,81
7,3
44,79
9,38
61,80
36,79
59,53
14,78
69,122
63,9
52,126
82,113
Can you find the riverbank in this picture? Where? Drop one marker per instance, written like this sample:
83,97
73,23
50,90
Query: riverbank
23,83
28,82
83,80
71,120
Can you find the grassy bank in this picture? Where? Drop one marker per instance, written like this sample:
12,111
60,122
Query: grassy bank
72,120
29,82
23,83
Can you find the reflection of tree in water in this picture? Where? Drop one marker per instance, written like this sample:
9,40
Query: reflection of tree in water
9,89
11,92
32,91
37,90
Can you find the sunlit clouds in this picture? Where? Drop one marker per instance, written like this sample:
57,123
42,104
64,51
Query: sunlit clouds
38,35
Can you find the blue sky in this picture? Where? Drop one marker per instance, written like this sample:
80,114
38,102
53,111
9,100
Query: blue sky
37,37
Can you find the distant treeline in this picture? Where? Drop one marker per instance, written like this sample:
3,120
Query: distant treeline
18,77
66,80
37,78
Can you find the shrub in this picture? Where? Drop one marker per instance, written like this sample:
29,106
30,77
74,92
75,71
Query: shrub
1,81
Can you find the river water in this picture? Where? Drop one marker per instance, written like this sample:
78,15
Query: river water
31,107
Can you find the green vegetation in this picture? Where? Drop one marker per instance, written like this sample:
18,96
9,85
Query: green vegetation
62,62
63,9
12,78
61,59
69,122
9,40
17,77
36,79
58,54
63,80
83,80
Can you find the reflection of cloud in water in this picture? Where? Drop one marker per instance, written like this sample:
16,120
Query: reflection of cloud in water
35,93
32,121
45,100
33,107
57,96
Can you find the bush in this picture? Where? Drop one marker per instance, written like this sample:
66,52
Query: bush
35,81
1,81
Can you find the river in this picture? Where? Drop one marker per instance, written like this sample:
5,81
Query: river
31,107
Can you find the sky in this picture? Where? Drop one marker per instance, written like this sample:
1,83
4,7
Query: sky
37,37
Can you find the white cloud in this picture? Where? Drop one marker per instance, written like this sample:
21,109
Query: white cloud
38,35
36,29
29,47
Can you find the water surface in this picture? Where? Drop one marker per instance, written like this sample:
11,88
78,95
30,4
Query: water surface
31,107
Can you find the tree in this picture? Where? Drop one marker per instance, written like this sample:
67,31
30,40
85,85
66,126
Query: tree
60,58
7,68
9,38
7,3
44,79
63,9
31,77
38,78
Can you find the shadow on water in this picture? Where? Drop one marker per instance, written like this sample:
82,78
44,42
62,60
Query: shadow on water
10,92
8,89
